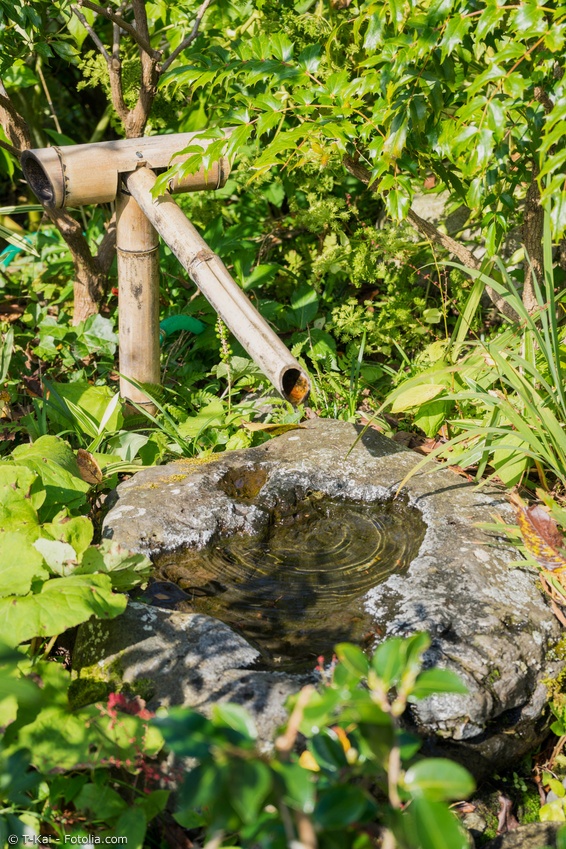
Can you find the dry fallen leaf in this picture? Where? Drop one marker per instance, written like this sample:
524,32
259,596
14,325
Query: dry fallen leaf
506,820
89,469
540,534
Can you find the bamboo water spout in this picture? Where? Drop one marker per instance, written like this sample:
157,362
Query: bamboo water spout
212,277
121,171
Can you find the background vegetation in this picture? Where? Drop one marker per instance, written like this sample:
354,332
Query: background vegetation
396,210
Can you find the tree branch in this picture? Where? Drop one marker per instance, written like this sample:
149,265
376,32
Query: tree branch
150,71
189,39
99,45
14,125
429,231
129,28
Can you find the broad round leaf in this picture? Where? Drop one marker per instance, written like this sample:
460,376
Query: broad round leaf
439,779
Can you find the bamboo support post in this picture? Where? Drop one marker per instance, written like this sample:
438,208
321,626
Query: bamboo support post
212,277
137,246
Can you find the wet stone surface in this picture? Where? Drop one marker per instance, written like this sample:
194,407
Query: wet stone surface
488,622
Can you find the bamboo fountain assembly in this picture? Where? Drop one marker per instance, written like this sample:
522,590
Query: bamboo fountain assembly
124,172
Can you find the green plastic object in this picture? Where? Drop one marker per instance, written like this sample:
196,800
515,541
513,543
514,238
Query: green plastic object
180,322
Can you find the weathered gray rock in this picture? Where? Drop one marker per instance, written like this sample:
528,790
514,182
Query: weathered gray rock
535,835
489,622
173,658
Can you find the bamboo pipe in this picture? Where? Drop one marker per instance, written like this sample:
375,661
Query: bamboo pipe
137,248
212,277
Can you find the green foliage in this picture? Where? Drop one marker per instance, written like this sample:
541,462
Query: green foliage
52,577
509,391
357,767
64,769
407,90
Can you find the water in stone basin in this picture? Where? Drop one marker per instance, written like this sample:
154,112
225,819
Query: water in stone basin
296,589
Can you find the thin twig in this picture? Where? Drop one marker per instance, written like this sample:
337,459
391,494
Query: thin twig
286,741
10,148
49,99
127,27
189,39
305,830
99,45
393,775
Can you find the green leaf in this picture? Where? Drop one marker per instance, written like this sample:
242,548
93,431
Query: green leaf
304,301
388,661
250,785
439,780
431,416
298,783
22,479
55,463
327,751
353,659
435,826
125,570
187,733
509,461
415,396
153,803
340,806
77,532
61,558
432,315
323,348
62,603
92,401
62,739
437,681
236,717
18,514
101,801
20,564
553,811
211,415
201,787
132,824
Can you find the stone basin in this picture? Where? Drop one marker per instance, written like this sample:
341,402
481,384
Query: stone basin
488,622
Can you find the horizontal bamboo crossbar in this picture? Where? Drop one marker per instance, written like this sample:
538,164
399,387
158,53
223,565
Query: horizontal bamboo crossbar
90,173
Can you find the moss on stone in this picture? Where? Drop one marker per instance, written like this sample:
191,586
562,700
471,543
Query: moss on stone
558,650
529,807
95,683
86,691
493,676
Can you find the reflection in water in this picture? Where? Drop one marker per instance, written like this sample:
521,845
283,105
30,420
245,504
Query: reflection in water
296,588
